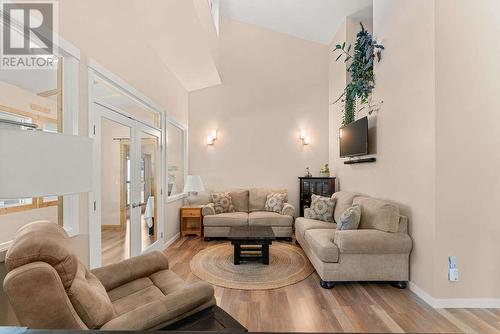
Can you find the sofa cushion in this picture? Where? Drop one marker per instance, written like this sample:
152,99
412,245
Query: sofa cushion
321,243
275,202
227,219
167,281
129,288
90,299
304,224
258,198
321,208
240,200
137,299
46,242
343,201
378,214
222,202
372,242
266,218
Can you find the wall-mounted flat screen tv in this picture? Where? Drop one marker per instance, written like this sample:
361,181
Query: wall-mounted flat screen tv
353,138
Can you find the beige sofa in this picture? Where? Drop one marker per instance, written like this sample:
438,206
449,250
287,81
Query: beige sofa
49,288
378,251
249,208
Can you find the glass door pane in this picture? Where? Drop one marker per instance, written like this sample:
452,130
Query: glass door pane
149,178
115,191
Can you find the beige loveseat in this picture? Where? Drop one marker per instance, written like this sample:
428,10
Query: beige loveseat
378,251
48,287
249,206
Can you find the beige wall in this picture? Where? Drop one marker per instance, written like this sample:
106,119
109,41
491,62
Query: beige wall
273,85
467,146
436,138
405,126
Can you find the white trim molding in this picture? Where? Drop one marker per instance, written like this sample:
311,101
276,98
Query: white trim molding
170,241
185,151
454,302
176,197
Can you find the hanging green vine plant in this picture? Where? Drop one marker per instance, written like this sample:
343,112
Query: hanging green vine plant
366,50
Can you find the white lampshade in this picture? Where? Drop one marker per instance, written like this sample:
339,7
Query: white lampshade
193,184
36,163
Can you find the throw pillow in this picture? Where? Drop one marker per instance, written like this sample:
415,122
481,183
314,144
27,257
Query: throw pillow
222,202
321,208
275,202
349,220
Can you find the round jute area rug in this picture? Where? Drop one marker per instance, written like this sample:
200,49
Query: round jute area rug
287,265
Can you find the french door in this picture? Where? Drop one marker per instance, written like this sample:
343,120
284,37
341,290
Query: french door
127,210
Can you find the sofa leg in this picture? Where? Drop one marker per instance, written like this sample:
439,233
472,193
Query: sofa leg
400,284
207,239
327,284
288,239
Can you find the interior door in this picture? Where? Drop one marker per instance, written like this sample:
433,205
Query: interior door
128,171
146,206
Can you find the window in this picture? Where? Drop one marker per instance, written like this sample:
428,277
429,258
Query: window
33,97
176,153
36,97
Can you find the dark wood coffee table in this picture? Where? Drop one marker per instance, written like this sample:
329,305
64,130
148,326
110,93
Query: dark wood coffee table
251,237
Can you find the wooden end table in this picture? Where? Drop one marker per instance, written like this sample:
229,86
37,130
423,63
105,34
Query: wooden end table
191,220
246,240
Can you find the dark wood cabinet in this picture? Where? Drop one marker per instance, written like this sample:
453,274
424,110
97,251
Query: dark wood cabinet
322,186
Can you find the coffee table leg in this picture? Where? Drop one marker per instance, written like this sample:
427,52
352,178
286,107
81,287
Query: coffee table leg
265,253
237,253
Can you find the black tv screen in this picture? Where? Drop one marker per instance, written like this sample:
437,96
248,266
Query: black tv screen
353,138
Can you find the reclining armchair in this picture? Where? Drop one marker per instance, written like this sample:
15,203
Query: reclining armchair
48,287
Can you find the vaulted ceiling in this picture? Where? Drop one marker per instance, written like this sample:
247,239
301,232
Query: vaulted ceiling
314,20
181,33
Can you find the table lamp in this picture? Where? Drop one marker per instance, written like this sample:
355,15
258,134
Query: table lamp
193,186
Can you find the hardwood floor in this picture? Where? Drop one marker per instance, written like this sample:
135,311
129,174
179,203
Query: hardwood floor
115,243
349,307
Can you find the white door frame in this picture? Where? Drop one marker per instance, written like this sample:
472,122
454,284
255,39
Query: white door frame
96,112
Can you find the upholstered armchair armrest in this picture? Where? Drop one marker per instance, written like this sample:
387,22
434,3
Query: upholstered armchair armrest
208,210
176,305
116,274
372,242
288,210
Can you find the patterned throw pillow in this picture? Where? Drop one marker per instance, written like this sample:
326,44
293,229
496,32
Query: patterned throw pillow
321,208
275,202
222,202
349,220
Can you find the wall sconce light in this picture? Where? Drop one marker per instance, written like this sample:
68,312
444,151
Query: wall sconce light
306,139
212,137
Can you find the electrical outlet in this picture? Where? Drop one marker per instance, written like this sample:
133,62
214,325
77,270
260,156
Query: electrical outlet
452,269
453,275
452,262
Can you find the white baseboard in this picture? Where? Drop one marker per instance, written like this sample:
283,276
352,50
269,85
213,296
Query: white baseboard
454,302
171,240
